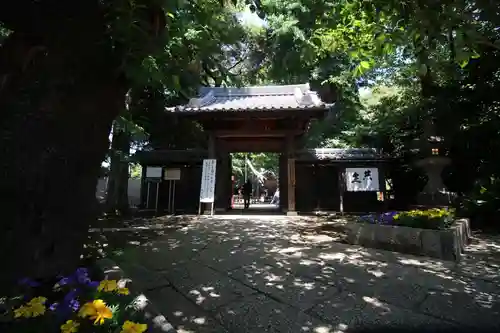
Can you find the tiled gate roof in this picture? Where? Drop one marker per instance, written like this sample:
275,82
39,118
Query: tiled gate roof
341,154
259,98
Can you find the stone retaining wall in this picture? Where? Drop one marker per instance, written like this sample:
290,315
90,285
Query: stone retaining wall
444,244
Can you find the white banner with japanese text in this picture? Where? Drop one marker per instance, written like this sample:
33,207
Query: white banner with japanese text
207,190
362,179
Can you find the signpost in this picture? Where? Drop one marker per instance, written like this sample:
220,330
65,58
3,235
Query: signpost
153,172
207,189
153,175
171,175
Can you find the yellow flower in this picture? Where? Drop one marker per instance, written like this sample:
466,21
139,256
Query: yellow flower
37,300
22,311
107,285
37,309
96,310
131,327
123,291
34,308
70,327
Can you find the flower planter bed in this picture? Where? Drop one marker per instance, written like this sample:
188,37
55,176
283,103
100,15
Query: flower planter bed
98,299
445,243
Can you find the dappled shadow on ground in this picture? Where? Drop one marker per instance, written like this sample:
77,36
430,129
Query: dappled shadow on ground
269,274
111,239
144,220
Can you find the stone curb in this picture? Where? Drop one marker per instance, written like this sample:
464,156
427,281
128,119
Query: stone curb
157,323
448,244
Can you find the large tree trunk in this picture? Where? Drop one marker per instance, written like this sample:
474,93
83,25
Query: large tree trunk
58,97
117,190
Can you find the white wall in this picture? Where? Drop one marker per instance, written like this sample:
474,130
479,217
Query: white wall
134,190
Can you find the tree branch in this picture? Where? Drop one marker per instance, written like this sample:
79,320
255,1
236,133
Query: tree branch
20,15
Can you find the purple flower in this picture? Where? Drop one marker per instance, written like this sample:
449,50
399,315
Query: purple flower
93,284
82,275
29,282
74,304
82,272
368,218
71,295
69,303
65,281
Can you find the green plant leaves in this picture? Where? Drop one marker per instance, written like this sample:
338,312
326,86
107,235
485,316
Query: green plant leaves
365,64
422,70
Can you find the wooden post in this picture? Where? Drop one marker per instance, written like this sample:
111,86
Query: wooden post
157,196
382,187
291,187
341,189
223,178
291,176
283,182
212,154
211,146
316,186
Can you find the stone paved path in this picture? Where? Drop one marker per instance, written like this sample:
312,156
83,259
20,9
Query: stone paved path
257,274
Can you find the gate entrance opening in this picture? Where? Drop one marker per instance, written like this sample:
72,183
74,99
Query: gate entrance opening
255,178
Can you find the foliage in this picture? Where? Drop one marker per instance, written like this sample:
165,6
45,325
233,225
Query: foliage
4,33
75,304
135,171
284,51
261,161
482,204
370,29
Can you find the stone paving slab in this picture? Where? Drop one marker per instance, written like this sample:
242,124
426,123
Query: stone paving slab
377,313
262,314
339,309
230,274
404,295
300,292
473,310
227,257
206,287
153,259
144,278
184,315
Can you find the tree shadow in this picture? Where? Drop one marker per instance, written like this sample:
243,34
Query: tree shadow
245,274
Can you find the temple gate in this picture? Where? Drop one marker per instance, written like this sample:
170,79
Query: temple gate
254,119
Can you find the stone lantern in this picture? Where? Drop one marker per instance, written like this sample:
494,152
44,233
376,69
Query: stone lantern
432,161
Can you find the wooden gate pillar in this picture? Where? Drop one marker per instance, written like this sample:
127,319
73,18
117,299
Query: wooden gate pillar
290,154
283,180
212,148
223,181
212,154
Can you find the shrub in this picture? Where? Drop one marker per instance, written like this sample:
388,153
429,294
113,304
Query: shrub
482,205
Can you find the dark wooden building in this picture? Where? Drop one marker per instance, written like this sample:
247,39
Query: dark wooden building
260,119
321,180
